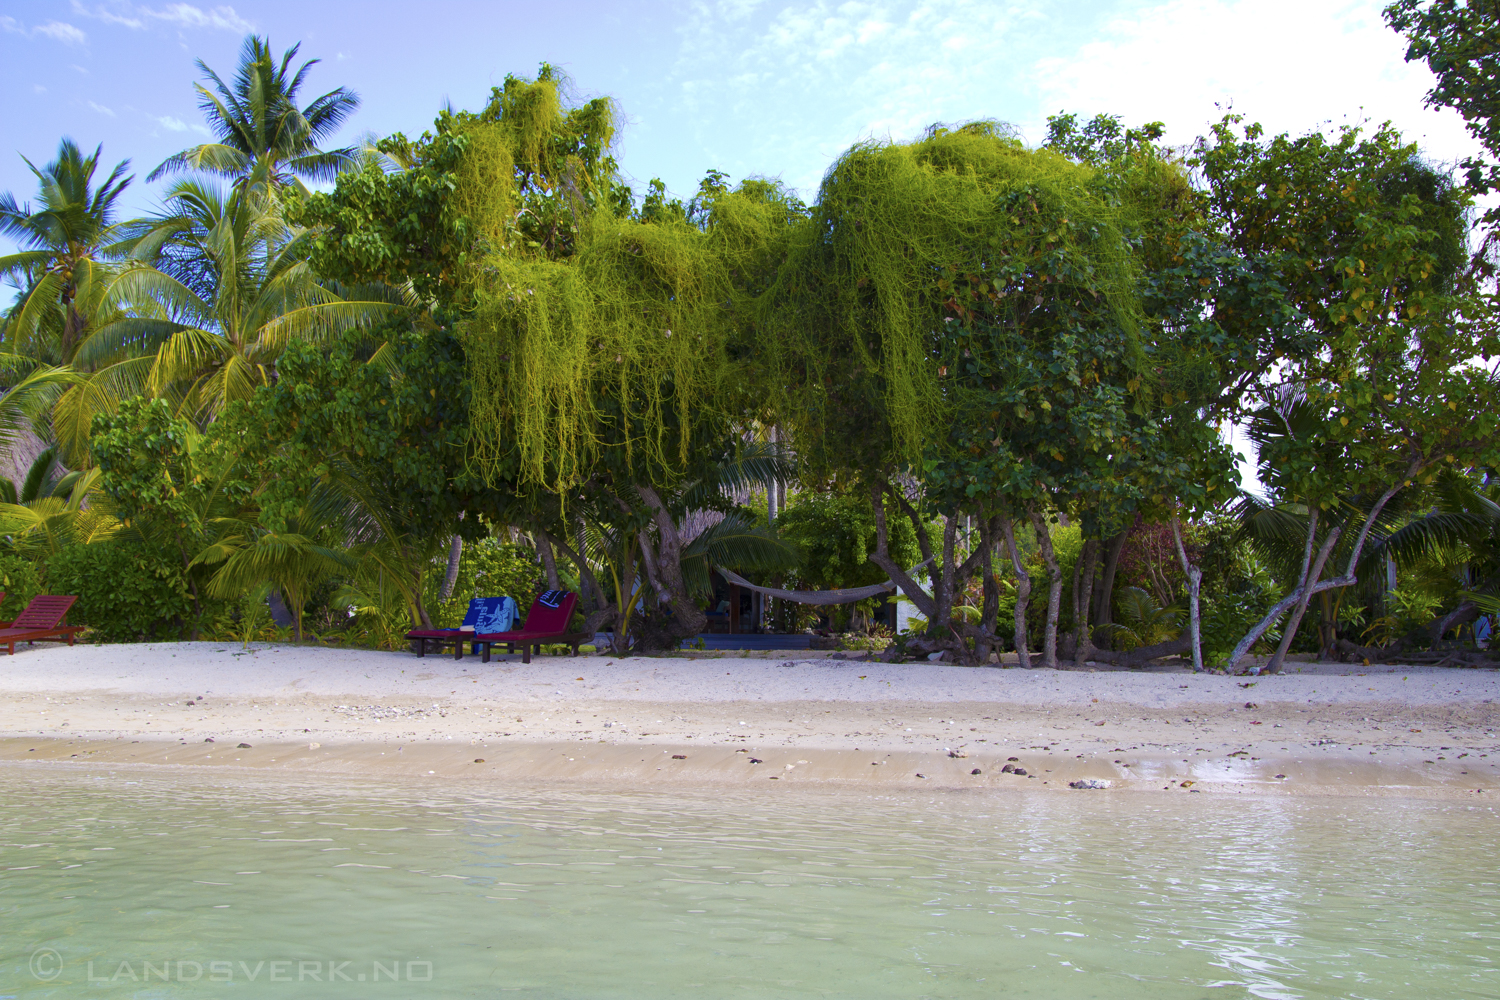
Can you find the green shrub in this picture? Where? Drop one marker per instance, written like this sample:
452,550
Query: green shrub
21,580
488,568
126,591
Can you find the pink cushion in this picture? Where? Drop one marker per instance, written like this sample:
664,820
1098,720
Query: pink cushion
432,633
550,621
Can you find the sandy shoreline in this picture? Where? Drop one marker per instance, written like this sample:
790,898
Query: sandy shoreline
1330,728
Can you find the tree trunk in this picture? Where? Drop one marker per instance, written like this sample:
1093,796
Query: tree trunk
1054,588
1106,608
1297,597
771,497
989,614
598,609
417,603
1023,593
1274,666
455,554
925,603
1142,655
687,618
1195,583
543,543
1083,601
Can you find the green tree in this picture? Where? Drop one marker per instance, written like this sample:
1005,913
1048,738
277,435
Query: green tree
1460,42
170,486
1371,247
226,289
958,321
64,244
598,351
264,141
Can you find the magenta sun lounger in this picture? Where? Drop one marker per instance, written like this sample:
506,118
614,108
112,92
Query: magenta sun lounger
543,625
41,619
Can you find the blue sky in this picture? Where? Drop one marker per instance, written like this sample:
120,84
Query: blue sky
746,86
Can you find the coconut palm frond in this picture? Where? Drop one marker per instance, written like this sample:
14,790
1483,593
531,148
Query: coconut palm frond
28,398
323,321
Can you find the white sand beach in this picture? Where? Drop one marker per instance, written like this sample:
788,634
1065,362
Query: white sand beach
1318,729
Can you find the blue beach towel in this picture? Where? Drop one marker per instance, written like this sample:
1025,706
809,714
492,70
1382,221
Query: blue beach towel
491,614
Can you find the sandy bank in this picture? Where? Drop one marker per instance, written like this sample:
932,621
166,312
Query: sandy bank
1327,728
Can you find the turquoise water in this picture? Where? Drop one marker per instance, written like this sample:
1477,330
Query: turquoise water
132,883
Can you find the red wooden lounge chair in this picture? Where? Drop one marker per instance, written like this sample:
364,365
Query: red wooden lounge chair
481,610
41,619
543,625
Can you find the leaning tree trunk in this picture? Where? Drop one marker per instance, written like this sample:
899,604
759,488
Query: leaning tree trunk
1301,591
936,607
543,543
598,609
1349,579
1054,588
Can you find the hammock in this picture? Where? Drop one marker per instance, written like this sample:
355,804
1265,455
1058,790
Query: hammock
819,597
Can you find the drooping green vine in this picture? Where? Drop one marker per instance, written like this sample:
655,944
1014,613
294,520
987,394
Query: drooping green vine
861,310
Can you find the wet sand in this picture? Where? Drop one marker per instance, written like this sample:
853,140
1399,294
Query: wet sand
809,719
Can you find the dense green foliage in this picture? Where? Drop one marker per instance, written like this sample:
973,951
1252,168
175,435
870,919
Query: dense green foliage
1460,42
479,363
127,591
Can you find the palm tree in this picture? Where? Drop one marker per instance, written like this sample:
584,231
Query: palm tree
221,289
264,141
63,242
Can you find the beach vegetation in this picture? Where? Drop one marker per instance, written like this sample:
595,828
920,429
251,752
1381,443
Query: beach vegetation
329,392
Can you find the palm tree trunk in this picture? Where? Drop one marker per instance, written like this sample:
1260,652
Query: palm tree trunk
455,554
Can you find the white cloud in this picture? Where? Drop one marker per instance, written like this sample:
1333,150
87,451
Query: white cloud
37,88
806,80
790,84
58,31
1290,64
183,15
174,124
223,18
101,109
108,16
61,31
